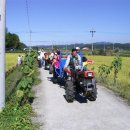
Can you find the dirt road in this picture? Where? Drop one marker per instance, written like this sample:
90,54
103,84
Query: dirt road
108,112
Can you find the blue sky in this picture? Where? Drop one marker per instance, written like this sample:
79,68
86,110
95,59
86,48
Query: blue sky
69,21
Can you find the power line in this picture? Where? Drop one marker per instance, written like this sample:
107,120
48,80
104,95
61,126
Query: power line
30,32
115,33
28,18
67,32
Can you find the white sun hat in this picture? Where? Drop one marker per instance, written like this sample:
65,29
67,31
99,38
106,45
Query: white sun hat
77,48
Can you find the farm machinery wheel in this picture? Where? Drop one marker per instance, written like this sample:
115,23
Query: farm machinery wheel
70,91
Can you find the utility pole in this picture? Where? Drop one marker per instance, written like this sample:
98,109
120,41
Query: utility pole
52,46
66,47
104,47
2,52
92,31
30,41
113,46
74,45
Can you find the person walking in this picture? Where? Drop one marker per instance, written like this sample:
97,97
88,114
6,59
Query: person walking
19,60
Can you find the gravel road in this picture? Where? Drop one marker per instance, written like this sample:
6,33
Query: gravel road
108,112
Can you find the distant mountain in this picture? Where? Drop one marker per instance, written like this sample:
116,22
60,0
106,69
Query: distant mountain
96,45
103,43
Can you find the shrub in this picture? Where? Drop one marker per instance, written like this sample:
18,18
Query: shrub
116,65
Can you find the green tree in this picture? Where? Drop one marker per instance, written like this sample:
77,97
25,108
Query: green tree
21,46
101,52
12,40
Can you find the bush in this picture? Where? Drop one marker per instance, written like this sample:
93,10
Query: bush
16,118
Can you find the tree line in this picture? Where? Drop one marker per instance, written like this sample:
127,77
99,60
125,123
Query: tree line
12,41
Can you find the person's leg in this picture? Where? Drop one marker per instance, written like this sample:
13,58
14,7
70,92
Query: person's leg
50,69
42,62
55,76
39,63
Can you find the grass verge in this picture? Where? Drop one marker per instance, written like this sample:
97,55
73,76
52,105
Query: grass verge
14,116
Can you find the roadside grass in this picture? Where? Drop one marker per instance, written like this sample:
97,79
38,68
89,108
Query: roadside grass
14,116
11,82
122,87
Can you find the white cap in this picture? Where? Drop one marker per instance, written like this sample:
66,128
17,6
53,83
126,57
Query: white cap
77,48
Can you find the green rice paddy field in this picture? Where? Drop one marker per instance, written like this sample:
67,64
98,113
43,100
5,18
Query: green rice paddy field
123,76
123,81
11,60
123,73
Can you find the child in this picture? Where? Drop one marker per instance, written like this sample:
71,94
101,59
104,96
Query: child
85,63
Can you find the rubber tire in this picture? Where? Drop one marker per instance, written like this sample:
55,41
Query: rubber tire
70,91
93,95
55,80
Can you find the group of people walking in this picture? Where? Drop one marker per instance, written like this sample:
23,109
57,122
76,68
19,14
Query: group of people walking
52,59
48,58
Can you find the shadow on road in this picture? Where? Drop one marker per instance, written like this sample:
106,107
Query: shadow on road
59,82
79,98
